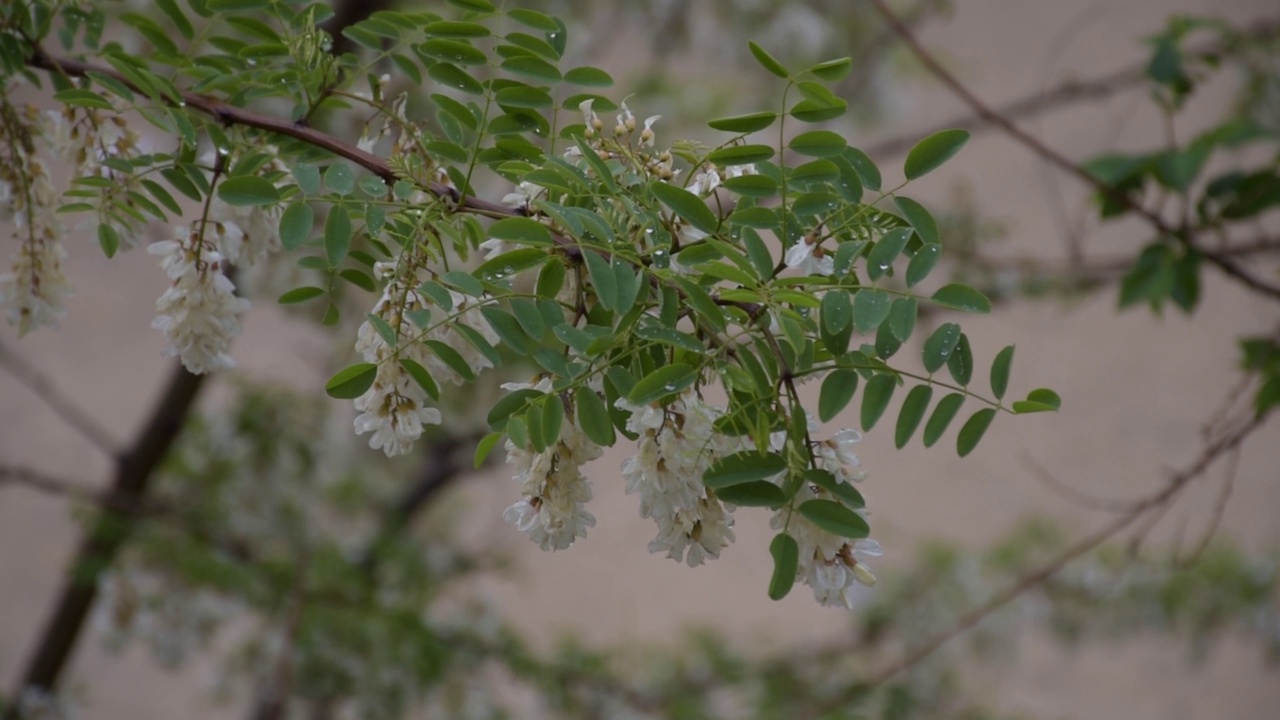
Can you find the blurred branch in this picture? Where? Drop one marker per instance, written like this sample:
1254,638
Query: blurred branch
134,470
1064,95
1211,453
1053,157
62,406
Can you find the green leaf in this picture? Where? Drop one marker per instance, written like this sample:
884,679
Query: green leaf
786,560
902,317
593,417
837,311
870,308
588,77
308,179
508,329
508,264
664,381
925,226
533,19
962,297
452,51
943,413
626,283
1000,372
863,165
484,447
933,151
756,186
741,154
454,77
973,430
759,493
301,294
601,273
550,278
83,98
108,239
832,70
464,282
847,493
421,376
552,420
340,178
702,303
509,405
876,398
521,230
835,518
743,467
838,388
911,414
524,97
295,225
529,317
767,62
688,206
244,190
960,364
352,382
818,143
922,263
885,251
940,345
1038,400
337,235
744,124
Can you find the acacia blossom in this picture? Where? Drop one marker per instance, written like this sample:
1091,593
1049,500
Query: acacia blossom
33,288
809,258
553,510
677,444
199,312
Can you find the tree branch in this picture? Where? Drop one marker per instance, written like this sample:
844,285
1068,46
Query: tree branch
1057,159
62,406
1208,456
134,470
1064,95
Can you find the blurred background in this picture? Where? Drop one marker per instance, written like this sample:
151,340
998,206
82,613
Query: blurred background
1137,388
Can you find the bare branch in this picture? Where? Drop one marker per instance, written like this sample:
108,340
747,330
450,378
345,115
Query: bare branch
1064,95
62,406
1210,454
134,470
1060,161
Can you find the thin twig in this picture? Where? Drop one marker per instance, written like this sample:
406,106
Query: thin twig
134,470
1077,497
1060,161
1064,95
1211,453
62,406
1219,508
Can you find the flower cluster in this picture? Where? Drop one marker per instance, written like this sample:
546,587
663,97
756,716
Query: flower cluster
829,564
553,510
677,445
33,288
199,312
395,407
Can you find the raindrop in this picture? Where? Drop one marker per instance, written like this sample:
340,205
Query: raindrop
670,387
507,270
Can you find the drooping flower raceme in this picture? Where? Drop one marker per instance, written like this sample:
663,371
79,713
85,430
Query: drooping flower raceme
553,510
33,288
199,312
829,564
677,444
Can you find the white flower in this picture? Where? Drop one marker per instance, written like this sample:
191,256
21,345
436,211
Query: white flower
394,410
835,455
809,259
553,510
734,171
677,445
493,247
829,564
589,118
647,135
524,194
705,181
199,312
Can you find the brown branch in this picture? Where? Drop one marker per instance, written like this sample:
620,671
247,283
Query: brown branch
1064,95
62,406
1208,456
1057,159
134,470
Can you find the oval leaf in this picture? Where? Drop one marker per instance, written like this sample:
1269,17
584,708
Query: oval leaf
876,398
973,430
838,388
786,559
743,467
664,381
835,518
962,297
933,151
352,382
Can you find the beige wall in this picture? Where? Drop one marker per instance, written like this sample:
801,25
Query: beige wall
1135,389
